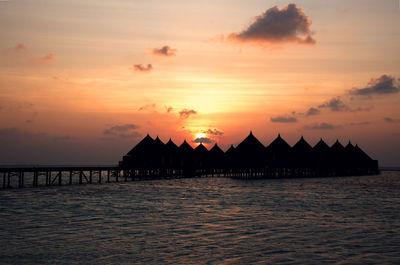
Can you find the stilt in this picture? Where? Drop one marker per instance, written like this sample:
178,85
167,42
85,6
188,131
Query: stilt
59,178
90,176
70,177
9,180
100,176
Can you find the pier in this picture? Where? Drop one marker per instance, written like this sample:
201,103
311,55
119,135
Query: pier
153,159
22,177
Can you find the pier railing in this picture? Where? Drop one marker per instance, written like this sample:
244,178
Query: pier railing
20,177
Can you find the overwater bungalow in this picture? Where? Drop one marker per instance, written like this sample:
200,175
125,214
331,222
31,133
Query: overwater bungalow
151,158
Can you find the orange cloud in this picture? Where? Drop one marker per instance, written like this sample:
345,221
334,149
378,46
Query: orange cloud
43,59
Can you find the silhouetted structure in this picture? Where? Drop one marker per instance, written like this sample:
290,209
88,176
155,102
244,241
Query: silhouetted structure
151,158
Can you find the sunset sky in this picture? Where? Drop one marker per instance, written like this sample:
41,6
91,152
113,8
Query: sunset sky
81,82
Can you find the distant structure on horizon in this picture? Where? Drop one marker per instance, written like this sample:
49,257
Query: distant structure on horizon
151,158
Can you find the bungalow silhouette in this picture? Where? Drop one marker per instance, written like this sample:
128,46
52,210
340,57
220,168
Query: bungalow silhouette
151,158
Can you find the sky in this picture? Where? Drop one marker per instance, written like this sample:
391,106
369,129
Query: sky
82,82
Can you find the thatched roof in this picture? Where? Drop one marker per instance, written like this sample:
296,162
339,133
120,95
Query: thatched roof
278,145
321,146
302,146
185,147
170,146
250,144
201,149
231,149
215,150
145,145
337,147
361,154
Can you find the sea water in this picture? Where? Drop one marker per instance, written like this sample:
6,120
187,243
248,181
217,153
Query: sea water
340,220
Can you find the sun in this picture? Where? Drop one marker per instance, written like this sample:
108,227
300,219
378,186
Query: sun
200,135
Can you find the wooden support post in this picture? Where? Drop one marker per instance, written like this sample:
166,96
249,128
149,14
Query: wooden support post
108,176
90,176
48,178
125,175
35,179
99,175
70,177
4,179
116,175
80,176
22,179
59,178
9,180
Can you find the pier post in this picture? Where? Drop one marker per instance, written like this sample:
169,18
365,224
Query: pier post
90,176
80,176
116,175
70,177
100,176
20,179
4,179
35,176
9,180
59,178
108,176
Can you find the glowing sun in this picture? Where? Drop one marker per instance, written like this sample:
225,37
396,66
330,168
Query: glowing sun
200,135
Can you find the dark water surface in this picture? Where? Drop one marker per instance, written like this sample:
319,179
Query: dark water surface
205,221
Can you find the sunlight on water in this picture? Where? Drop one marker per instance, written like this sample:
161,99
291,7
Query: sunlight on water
209,220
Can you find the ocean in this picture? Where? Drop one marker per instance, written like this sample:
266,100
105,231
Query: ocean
339,220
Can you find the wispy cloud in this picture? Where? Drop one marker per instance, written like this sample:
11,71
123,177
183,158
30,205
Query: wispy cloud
391,120
125,130
186,113
278,25
321,126
214,132
203,140
334,104
43,59
382,85
19,47
146,107
283,119
142,68
164,51
312,111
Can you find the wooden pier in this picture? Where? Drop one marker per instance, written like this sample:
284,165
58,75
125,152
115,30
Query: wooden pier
20,177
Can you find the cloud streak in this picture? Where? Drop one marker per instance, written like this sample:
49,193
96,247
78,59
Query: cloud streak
142,68
334,104
322,126
186,113
214,132
382,85
203,140
124,131
278,25
283,119
164,51
19,47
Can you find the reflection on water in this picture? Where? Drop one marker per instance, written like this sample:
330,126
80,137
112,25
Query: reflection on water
320,220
